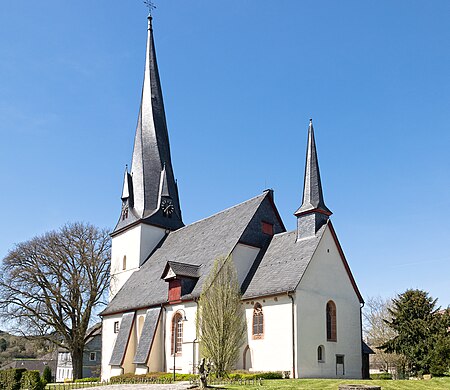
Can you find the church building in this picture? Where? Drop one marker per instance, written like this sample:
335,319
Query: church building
302,305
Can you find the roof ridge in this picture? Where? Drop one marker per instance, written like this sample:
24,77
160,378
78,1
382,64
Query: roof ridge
180,262
219,212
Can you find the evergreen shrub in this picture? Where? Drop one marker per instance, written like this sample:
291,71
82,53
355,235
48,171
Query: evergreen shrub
11,379
47,375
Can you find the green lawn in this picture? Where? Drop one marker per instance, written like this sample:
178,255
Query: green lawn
332,384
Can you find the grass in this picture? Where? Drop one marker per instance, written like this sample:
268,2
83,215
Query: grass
332,384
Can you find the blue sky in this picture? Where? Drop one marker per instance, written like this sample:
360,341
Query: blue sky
241,80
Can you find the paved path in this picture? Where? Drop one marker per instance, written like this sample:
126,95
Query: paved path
175,386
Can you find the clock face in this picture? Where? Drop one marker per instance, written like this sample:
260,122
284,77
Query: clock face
167,206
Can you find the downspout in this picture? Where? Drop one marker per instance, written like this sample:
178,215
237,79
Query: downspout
290,295
360,326
194,366
164,337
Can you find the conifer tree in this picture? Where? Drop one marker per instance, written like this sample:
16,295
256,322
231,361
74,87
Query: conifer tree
221,324
420,331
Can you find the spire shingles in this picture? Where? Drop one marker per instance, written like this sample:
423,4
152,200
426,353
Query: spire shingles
313,207
151,154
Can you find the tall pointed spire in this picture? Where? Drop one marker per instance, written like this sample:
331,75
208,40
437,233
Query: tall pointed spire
313,213
151,154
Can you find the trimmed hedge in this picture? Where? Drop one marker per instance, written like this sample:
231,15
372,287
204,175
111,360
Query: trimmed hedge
152,377
238,375
87,380
381,376
31,380
165,377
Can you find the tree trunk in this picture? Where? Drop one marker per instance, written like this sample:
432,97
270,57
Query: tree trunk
77,362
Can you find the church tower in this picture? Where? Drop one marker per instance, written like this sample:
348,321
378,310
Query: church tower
150,203
313,213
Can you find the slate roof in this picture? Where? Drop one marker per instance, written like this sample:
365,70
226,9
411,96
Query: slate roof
120,346
151,173
312,186
94,330
366,349
198,244
31,364
147,335
183,269
283,265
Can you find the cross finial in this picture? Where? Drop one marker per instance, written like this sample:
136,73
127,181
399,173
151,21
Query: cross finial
150,5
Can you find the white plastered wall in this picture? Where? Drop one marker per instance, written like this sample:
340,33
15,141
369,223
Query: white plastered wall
273,352
136,244
326,279
185,362
243,257
108,341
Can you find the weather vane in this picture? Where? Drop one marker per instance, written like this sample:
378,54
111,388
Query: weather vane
150,5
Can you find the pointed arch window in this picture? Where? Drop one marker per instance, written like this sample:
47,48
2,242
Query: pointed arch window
258,322
331,321
177,334
320,354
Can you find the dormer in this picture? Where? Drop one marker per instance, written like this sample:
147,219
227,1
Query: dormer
182,278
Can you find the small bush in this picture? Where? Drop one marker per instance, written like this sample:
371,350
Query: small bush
87,380
246,375
381,376
269,375
31,380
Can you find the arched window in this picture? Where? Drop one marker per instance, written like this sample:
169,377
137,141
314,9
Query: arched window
320,354
331,321
177,333
124,263
258,321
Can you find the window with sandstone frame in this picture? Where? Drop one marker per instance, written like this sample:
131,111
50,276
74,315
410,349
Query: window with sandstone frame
177,334
331,321
258,322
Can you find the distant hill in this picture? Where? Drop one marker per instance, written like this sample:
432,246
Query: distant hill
20,347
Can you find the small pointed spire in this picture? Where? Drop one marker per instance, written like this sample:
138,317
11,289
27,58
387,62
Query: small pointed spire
164,186
313,212
127,183
312,188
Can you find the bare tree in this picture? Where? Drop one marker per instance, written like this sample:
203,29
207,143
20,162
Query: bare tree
377,332
221,324
50,285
